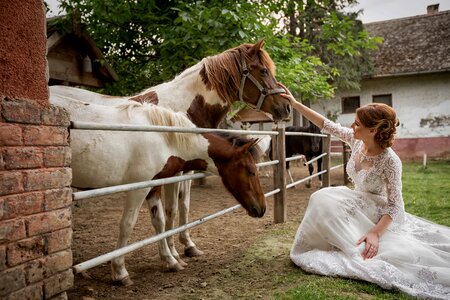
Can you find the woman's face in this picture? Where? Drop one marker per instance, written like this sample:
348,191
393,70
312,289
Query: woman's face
360,132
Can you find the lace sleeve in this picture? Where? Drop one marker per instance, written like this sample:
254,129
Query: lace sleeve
339,131
393,179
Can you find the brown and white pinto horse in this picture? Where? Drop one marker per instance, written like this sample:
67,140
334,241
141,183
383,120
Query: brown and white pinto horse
205,92
106,158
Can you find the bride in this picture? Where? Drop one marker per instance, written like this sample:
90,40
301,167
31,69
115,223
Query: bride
365,233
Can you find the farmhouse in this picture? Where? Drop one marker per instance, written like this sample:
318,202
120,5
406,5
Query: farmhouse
412,74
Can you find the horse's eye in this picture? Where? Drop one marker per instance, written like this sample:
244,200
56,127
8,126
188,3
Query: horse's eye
264,72
251,172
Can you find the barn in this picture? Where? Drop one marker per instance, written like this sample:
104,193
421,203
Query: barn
412,74
74,58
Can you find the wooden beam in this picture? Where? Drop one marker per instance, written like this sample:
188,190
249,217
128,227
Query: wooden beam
54,40
86,79
279,175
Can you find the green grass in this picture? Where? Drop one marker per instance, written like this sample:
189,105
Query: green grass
426,193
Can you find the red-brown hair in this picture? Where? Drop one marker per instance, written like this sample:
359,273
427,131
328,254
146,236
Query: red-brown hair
383,119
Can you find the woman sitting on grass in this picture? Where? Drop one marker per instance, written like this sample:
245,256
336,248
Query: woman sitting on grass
365,233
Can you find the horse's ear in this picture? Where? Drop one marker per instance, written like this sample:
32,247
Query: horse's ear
256,47
252,147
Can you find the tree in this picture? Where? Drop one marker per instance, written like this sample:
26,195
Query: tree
315,46
338,39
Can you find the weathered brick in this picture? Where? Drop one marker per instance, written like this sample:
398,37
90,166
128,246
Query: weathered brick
10,182
25,250
45,136
34,270
44,179
48,221
2,257
21,205
55,115
12,280
22,157
10,135
57,198
62,296
2,207
57,156
32,292
58,283
21,111
2,162
12,230
59,240
58,262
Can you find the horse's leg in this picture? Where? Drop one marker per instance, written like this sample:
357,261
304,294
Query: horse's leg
190,249
171,208
159,223
129,216
311,170
290,176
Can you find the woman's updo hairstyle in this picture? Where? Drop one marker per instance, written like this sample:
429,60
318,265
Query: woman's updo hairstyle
383,119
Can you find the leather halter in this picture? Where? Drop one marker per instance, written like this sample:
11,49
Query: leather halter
263,91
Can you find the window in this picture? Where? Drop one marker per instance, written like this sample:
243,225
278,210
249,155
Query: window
386,99
350,104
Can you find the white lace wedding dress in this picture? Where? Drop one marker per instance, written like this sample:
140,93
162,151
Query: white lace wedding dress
414,254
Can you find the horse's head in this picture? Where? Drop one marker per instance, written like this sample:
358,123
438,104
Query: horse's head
246,73
235,159
258,85
316,141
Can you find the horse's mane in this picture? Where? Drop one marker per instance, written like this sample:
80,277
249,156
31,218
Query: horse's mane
224,71
160,116
238,140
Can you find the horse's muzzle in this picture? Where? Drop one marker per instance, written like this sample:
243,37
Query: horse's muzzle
281,112
257,213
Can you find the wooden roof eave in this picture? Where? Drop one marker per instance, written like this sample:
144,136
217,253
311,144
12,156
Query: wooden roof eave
406,74
96,53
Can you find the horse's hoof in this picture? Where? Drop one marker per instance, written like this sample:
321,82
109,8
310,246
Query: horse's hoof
181,262
124,281
175,268
192,252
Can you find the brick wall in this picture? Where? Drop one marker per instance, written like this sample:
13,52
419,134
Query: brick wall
35,201
35,195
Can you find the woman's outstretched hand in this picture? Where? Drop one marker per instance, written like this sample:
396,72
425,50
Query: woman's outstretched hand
372,241
288,94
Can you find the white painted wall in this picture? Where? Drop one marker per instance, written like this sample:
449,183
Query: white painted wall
415,98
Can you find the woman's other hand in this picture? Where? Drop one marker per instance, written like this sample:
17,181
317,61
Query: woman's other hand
372,243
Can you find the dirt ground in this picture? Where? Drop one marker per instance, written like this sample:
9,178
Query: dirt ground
223,272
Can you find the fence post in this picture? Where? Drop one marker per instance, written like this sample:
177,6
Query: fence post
326,162
345,156
279,174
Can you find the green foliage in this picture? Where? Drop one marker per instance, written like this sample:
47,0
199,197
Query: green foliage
315,46
304,74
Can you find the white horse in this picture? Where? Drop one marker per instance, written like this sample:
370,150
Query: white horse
205,92
106,158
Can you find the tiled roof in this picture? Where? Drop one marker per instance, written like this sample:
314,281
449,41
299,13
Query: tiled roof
412,45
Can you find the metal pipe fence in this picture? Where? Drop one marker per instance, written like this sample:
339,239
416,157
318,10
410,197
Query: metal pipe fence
279,210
